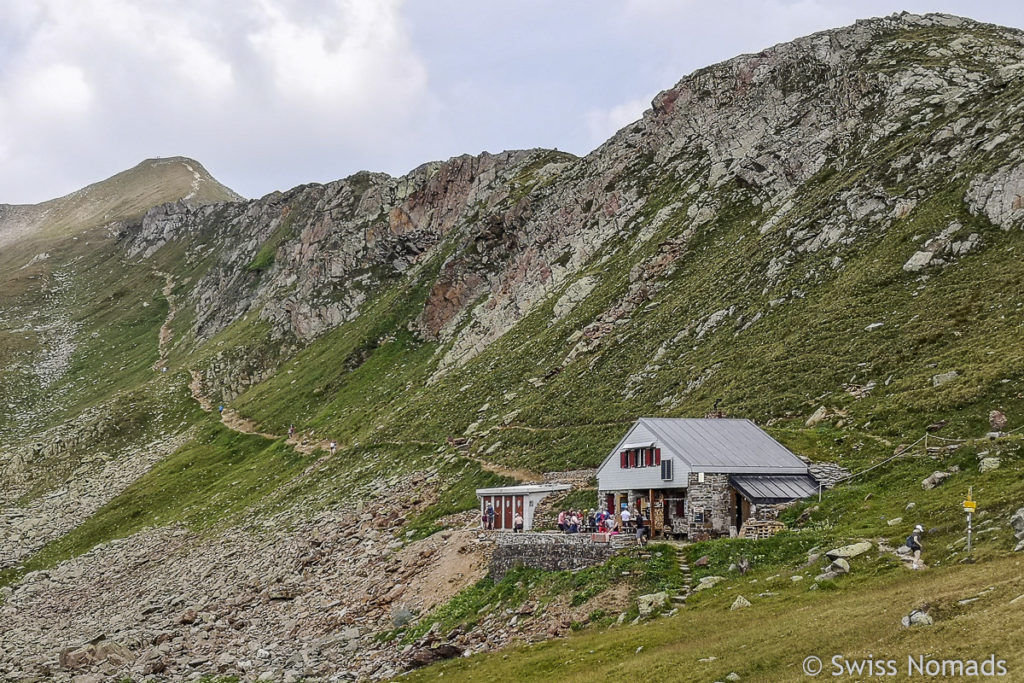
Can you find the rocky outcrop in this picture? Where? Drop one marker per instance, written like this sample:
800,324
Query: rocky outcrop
304,260
1017,524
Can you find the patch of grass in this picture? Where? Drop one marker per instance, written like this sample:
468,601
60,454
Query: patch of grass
784,549
264,258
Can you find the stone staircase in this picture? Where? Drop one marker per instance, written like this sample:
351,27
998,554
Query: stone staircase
679,599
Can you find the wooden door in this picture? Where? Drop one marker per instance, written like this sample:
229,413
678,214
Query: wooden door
519,511
507,510
658,514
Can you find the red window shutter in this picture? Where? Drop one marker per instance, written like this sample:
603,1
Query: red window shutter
648,456
657,456
632,457
623,462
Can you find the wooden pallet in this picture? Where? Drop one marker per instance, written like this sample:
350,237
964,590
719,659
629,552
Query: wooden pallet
757,529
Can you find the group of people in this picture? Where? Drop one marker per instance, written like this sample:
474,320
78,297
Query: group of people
602,521
630,520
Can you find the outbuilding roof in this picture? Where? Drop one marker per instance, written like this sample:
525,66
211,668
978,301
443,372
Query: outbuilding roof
774,488
522,490
720,445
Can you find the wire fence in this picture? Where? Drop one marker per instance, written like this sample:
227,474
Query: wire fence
892,457
906,449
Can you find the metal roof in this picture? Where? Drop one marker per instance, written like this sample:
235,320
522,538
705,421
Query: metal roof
522,490
723,445
774,488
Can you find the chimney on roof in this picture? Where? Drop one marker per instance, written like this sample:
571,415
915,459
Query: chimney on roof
715,413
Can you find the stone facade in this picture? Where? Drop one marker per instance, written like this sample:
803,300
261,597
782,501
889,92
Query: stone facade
553,552
709,508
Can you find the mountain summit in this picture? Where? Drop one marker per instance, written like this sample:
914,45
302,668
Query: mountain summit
124,196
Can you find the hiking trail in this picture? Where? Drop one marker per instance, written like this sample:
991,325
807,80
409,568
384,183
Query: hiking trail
166,333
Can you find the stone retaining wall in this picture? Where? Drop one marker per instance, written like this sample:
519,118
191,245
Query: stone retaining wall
551,551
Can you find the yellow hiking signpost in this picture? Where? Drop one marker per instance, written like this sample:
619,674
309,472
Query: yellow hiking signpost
969,507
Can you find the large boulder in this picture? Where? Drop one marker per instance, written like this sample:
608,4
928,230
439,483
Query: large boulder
934,479
740,603
847,551
649,603
817,417
1017,522
428,655
72,658
917,618
708,582
840,565
113,652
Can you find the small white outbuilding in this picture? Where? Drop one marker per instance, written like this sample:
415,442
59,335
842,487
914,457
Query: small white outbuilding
509,500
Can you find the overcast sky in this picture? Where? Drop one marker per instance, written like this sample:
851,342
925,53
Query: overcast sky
269,94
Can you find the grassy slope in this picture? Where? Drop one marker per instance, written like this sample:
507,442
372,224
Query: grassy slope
768,641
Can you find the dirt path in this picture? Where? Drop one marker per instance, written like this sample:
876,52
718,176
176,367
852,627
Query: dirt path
166,333
525,476
308,445
230,418
235,422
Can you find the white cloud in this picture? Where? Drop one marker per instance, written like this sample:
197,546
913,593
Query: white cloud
55,90
89,87
359,63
